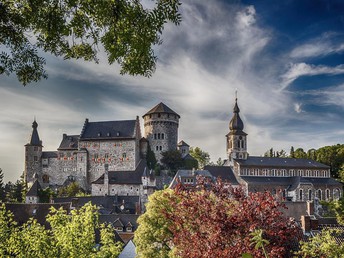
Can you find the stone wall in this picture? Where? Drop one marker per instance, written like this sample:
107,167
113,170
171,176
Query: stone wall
161,130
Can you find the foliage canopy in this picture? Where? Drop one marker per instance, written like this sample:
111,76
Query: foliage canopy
125,29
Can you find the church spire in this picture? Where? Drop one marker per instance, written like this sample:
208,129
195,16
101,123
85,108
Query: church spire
34,136
236,138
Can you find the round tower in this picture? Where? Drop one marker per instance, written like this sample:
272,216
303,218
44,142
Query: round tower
161,129
236,138
33,157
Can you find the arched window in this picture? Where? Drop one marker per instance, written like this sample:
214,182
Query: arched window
162,136
45,178
336,194
328,194
319,194
301,195
309,195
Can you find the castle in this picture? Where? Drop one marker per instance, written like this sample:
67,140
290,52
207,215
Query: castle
108,158
110,152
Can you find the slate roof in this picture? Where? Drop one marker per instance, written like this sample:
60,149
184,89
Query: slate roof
182,143
125,177
107,204
34,139
161,108
224,172
183,174
280,162
23,212
108,130
124,219
129,251
34,189
49,154
69,142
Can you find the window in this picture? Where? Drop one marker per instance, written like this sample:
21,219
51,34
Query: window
327,194
300,194
318,194
95,156
106,155
155,136
159,115
159,136
157,148
35,158
45,178
161,148
124,155
309,195
162,136
35,148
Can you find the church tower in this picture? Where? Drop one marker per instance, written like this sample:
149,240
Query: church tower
236,138
33,157
161,129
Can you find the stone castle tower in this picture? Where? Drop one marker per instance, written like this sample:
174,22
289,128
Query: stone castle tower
33,154
161,129
236,138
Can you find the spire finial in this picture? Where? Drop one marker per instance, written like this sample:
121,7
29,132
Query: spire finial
236,94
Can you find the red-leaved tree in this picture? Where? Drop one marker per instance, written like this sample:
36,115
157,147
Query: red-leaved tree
215,219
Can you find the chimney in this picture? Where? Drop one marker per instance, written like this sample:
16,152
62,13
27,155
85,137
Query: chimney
310,208
306,223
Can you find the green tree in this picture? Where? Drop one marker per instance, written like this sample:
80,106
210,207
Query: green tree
77,29
332,156
300,154
172,160
312,154
151,159
201,156
292,152
71,190
45,195
153,237
322,245
2,187
7,226
219,162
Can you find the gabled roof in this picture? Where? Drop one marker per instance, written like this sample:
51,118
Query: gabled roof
124,218
280,162
34,189
129,251
182,143
161,108
117,223
108,130
125,177
223,172
183,174
69,142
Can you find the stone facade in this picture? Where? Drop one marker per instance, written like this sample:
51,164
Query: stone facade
102,152
161,129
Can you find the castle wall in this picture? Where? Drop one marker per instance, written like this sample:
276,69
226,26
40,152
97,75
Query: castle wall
120,155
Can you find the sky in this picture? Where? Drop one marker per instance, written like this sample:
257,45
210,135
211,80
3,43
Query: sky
284,58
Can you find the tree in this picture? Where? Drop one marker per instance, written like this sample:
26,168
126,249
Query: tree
332,156
2,187
45,195
172,160
292,152
71,190
151,159
215,220
77,29
322,245
300,154
71,235
153,236
201,156
219,162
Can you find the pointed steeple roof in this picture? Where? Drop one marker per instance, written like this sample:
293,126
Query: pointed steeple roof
34,140
161,108
236,124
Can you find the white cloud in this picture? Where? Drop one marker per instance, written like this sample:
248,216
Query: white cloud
302,69
298,107
317,47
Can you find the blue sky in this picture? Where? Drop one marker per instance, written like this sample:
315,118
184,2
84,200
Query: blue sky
286,58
